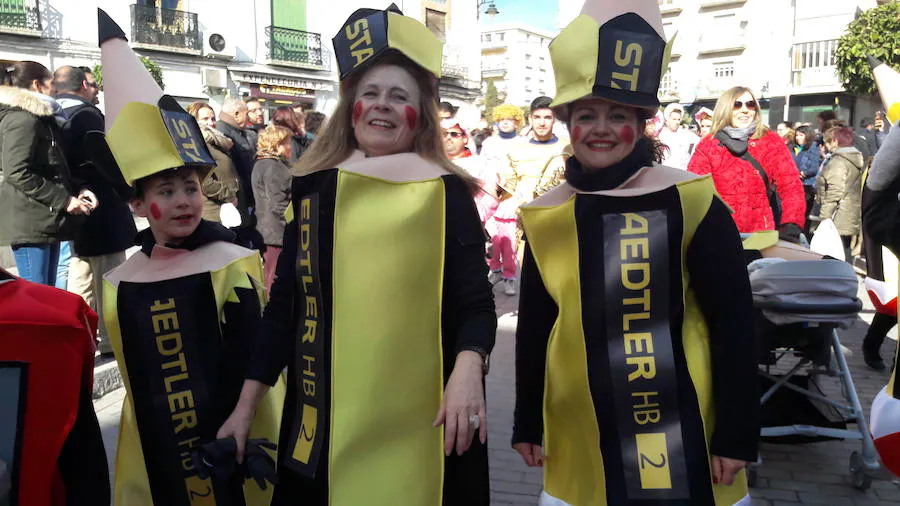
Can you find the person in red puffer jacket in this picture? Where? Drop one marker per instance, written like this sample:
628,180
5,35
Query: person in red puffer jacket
737,132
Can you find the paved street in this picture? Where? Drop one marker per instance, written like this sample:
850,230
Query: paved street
802,474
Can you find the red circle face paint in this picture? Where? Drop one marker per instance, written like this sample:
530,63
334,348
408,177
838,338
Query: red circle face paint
357,111
576,134
626,134
412,117
154,211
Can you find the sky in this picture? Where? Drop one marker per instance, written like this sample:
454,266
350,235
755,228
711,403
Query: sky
537,13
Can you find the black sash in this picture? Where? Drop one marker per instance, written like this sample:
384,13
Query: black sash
172,345
642,362
308,427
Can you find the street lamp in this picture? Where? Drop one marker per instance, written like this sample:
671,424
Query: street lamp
491,9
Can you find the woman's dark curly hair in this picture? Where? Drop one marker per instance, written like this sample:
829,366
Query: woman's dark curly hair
652,145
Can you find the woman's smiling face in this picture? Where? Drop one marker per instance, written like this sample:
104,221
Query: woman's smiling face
603,132
386,111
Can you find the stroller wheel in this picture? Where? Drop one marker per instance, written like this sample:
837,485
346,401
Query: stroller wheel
858,476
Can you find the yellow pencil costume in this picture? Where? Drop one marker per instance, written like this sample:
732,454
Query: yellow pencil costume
181,319
634,347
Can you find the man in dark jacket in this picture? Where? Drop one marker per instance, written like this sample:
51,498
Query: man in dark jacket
101,242
873,136
233,123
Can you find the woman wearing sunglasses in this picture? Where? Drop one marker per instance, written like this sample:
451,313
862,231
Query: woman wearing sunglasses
752,168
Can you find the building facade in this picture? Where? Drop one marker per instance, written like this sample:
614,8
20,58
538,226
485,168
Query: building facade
782,50
276,50
516,59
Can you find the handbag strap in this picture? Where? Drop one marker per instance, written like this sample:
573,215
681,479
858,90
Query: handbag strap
729,144
756,165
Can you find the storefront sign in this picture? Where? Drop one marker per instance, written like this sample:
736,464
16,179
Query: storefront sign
288,82
285,91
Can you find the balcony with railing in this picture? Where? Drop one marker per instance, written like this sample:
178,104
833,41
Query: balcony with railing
296,48
813,66
493,69
20,17
167,30
457,66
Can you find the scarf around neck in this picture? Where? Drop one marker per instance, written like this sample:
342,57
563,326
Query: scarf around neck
610,177
741,134
507,135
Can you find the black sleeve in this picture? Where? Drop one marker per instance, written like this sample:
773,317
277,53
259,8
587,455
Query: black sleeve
718,277
881,215
240,325
537,315
468,305
82,460
274,341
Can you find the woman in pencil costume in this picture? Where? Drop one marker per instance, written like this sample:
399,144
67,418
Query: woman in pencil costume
381,309
181,312
635,371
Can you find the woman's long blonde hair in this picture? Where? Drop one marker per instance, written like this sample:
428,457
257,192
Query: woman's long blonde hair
336,141
725,106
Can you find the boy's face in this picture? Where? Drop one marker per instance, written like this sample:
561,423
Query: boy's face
172,203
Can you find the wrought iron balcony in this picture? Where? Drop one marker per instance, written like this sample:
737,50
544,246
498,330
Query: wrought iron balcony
296,48
20,17
165,30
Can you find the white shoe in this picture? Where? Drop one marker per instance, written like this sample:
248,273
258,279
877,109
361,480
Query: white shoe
495,277
509,286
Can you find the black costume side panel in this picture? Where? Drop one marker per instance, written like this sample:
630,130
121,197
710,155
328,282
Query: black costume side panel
719,279
537,314
469,322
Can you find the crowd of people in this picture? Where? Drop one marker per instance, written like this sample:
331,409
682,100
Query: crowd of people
324,286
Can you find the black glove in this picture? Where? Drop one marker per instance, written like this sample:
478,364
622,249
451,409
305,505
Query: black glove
789,232
218,459
258,464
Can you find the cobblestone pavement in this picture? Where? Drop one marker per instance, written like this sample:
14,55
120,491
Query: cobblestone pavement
801,474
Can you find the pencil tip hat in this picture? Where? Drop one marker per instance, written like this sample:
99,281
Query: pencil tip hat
147,132
370,33
615,49
888,82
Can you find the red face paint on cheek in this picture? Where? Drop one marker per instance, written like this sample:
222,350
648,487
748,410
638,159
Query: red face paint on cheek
357,111
154,211
412,117
576,134
626,134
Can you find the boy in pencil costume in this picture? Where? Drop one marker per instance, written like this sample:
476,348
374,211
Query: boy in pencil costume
182,311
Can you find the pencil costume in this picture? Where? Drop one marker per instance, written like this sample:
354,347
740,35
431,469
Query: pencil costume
635,370
182,312
51,448
381,300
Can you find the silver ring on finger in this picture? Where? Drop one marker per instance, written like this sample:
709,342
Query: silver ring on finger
474,421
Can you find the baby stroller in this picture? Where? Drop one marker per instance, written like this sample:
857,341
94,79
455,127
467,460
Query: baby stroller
800,305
